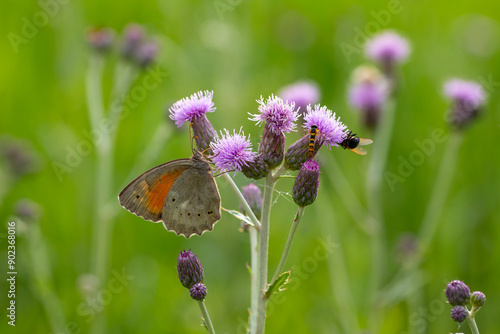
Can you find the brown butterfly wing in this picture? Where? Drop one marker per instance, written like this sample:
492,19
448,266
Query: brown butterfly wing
193,202
146,195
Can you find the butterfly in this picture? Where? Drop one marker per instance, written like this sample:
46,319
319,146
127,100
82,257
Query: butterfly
182,193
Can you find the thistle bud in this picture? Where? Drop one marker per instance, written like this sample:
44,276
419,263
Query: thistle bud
100,39
272,147
459,313
198,291
467,97
255,170
457,293
477,299
189,269
305,188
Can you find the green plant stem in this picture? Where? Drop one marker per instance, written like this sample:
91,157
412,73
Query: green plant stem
436,202
254,285
472,324
264,252
289,241
40,265
438,196
206,317
347,195
376,168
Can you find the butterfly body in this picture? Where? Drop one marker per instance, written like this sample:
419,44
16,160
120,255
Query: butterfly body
182,193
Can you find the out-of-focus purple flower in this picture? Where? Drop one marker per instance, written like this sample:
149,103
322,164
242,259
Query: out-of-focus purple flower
132,40
18,156
306,185
253,196
198,291
232,152
279,116
466,92
457,293
302,93
190,108
189,269
331,129
28,210
146,53
368,93
468,98
100,39
387,46
459,313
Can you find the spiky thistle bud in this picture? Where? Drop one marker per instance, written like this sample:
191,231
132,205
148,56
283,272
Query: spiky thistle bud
457,293
477,299
198,291
189,269
459,313
305,188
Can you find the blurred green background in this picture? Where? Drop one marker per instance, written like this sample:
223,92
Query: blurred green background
242,50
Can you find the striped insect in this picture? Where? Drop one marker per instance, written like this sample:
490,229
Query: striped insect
353,143
313,132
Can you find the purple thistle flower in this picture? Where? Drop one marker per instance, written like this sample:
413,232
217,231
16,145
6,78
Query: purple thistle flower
331,130
302,93
457,293
387,47
459,313
198,291
279,116
468,97
146,53
232,152
465,92
306,185
191,108
189,269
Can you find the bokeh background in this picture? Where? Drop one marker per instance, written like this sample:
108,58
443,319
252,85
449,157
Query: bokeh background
242,50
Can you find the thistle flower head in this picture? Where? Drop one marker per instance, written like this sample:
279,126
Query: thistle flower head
468,97
198,291
189,269
457,293
191,108
387,46
306,185
331,130
277,115
232,152
465,92
302,93
459,313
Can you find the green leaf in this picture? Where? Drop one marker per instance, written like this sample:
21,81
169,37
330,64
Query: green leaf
240,216
279,284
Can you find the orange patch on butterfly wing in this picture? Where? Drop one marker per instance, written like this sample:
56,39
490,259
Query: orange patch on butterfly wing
155,194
